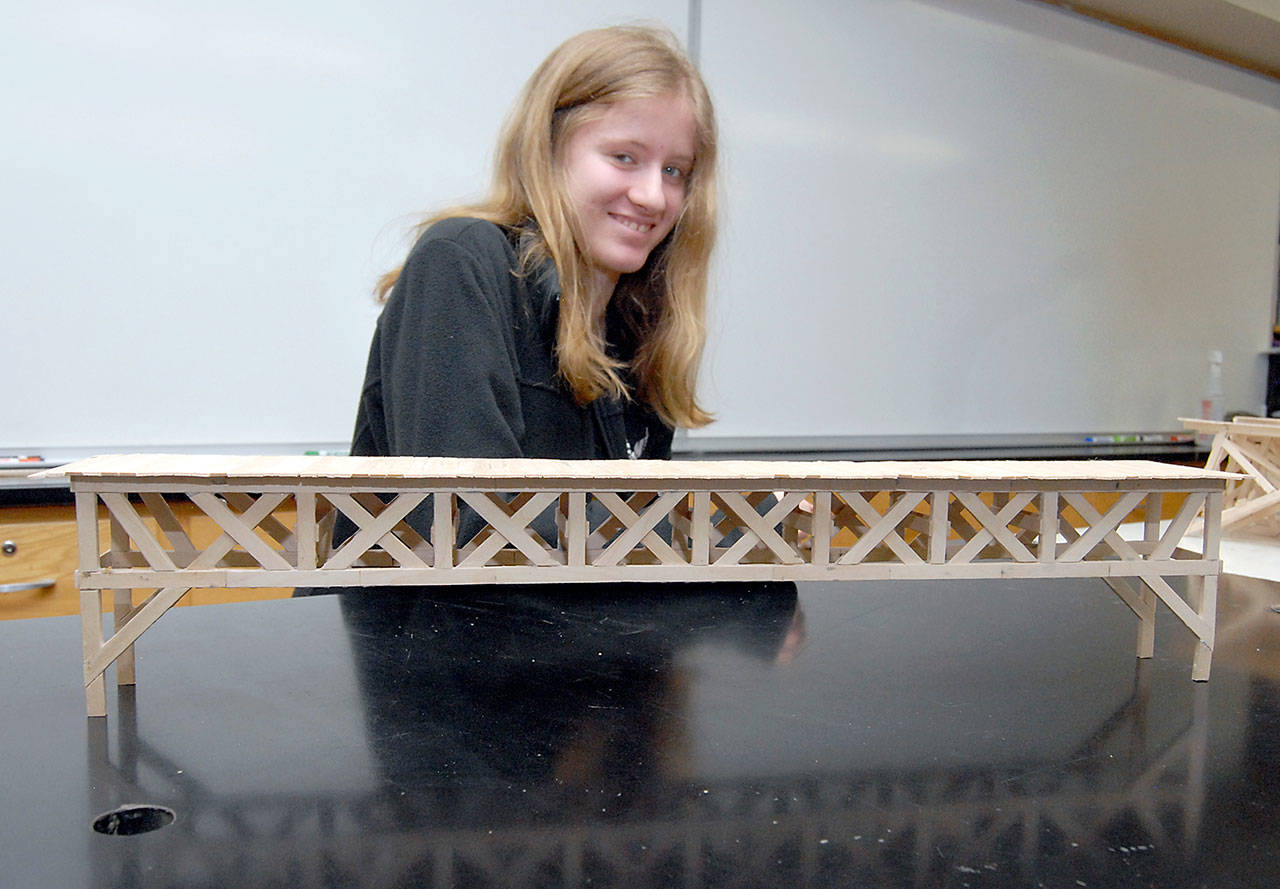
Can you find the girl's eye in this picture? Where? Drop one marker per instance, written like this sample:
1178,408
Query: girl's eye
623,158
675,173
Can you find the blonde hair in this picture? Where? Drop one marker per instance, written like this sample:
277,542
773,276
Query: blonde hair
662,305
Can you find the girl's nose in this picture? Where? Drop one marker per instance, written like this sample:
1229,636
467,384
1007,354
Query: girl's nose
647,192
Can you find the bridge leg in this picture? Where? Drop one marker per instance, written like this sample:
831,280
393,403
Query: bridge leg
95,683
125,673
1143,603
1146,622
1207,605
1207,608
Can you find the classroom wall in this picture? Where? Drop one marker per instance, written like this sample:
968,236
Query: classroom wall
941,218
979,218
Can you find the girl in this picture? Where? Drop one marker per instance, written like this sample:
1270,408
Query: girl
563,316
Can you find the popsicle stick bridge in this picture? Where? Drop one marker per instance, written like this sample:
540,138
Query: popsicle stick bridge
1249,446
551,521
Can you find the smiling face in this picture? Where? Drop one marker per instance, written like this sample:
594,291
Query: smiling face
626,172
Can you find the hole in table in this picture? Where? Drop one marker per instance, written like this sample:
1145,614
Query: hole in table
127,821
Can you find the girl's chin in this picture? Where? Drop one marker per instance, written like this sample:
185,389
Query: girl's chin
617,263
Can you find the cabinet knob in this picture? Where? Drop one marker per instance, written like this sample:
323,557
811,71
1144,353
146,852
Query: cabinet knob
9,548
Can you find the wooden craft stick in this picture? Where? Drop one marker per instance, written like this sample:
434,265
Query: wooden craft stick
242,530
180,545
701,540
1047,542
1177,529
135,624
305,529
1240,452
577,529
509,527
125,664
1143,603
92,639
994,527
822,528
1101,526
881,528
639,528
740,475
442,525
131,524
758,529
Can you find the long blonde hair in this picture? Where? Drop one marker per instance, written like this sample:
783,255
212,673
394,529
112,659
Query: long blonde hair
663,305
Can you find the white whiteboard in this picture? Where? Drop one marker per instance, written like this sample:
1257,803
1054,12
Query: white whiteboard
200,196
981,216
976,218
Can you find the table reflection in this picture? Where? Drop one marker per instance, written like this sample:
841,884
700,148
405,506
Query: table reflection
511,688
526,736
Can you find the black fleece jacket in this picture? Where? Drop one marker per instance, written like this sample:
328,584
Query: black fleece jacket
463,363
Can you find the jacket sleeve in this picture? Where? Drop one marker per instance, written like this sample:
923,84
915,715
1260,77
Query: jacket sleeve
449,367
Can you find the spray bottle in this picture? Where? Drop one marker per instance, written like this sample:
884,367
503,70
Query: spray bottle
1211,403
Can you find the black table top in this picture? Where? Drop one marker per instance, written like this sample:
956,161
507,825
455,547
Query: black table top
962,733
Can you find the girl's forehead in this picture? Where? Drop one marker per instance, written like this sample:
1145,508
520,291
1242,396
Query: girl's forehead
668,117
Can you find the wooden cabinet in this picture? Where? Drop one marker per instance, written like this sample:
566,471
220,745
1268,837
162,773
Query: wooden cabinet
38,543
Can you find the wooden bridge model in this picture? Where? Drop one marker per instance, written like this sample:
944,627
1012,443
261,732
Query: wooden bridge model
1249,446
576,521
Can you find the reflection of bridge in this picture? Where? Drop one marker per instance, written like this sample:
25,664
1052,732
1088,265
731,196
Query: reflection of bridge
631,520
1121,792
